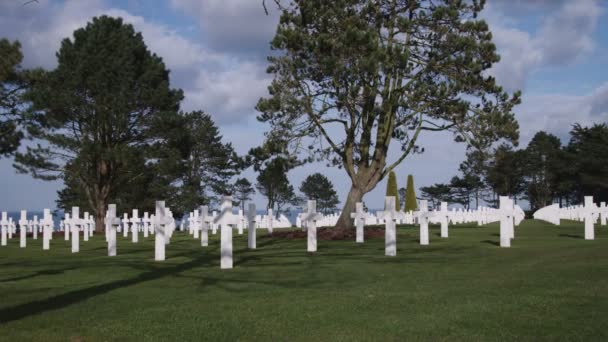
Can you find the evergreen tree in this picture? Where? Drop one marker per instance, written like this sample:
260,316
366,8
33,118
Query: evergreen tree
14,82
392,190
96,108
410,195
588,152
272,182
436,193
320,188
242,191
505,172
193,164
541,165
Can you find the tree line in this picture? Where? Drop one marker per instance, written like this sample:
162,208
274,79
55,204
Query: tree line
544,172
107,123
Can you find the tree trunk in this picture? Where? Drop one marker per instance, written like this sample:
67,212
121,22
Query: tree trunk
100,215
345,221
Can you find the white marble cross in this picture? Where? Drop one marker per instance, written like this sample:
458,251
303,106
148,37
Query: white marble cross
4,228
135,226
549,213
390,215
195,225
226,219
270,221
423,215
506,221
251,231
161,226
23,225
589,211
112,222
11,228
125,225
86,229
146,224
47,229
66,226
603,213
35,226
359,216
310,220
75,224
204,224
241,223
444,215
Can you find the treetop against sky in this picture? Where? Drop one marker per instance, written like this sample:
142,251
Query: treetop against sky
556,52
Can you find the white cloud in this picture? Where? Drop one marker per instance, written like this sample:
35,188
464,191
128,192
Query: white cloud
230,93
235,26
218,82
556,113
599,101
565,36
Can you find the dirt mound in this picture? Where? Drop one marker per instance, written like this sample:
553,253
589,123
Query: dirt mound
330,234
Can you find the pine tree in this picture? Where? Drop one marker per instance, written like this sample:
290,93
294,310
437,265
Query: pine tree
410,195
392,189
95,110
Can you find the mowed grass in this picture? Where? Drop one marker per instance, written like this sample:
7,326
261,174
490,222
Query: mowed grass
551,285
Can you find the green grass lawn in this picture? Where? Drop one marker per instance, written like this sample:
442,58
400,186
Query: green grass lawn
551,285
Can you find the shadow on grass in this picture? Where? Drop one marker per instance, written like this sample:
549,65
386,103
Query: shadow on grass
38,273
491,242
151,271
572,236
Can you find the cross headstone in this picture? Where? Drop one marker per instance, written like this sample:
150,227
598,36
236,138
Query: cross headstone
47,229
112,224
23,225
444,215
359,216
310,220
423,219
603,213
213,225
146,224
270,221
161,227
66,226
240,225
75,223
506,220
86,230
125,225
205,221
35,227
135,226
390,215
226,219
589,211
4,228
195,225
251,231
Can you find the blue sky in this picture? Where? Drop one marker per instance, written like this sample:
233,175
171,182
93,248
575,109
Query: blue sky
555,51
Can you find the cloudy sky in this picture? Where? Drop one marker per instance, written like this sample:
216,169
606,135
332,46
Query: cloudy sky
555,51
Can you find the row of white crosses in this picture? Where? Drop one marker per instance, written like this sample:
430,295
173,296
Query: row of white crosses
508,215
200,221
8,227
590,213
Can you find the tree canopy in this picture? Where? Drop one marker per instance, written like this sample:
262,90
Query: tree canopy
351,76
96,108
14,81
319,188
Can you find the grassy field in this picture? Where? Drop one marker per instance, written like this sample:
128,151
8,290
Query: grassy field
551,285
